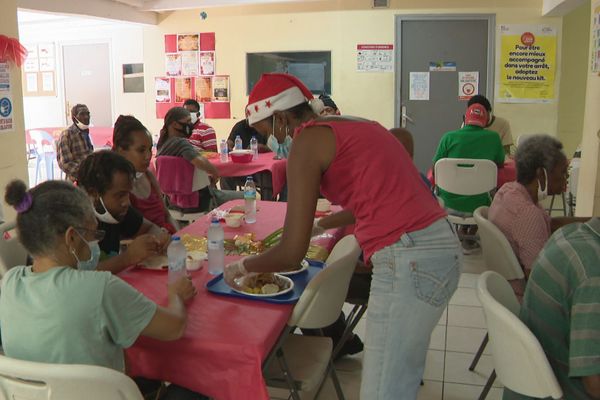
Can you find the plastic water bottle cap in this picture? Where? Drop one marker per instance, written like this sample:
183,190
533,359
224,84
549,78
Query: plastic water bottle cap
214,220
175,238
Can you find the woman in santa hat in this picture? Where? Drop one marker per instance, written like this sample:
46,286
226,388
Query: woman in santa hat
401,228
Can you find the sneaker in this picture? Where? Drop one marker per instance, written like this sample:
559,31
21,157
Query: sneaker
470,246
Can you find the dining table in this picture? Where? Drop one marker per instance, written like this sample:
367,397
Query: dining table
226,339
265,163
101,135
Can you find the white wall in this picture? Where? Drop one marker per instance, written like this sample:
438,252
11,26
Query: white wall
125,44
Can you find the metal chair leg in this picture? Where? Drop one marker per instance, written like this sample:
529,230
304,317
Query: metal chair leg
336,382
353,318
479,353
288,375
488,386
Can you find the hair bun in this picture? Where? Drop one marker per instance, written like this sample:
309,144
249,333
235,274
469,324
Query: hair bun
15,193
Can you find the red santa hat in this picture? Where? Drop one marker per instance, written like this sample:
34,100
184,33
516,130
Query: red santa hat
278,92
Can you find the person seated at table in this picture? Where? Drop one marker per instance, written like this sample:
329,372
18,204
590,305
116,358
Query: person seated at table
402,230
173,142
74,143
329,106
495,124
132,140
203,137
470,141
561,308
56,310
542,170
246,132
108,178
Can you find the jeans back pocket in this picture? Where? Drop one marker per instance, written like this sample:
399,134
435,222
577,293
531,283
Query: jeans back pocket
435,277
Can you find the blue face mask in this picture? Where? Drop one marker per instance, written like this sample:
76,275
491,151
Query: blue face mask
92,263
281,149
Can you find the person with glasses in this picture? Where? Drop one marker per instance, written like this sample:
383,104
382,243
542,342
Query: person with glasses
108,178
56,310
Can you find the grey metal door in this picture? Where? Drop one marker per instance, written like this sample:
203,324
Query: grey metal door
468,42
87,81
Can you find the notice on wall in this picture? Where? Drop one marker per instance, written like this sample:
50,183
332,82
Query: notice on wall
220,87
4,78
207,63
183,89
419,86
189,63
162,89
48,81
468,84
173,64
442,66
375,58
204,89
31,82
595,45
527,64
6,113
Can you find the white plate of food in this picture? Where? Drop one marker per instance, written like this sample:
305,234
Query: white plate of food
303,267
265,285
155,262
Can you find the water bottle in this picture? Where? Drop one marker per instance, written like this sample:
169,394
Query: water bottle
250,201
238,143
176,254
254,147
216,250
224,151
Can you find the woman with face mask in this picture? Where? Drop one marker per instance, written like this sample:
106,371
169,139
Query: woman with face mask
55,311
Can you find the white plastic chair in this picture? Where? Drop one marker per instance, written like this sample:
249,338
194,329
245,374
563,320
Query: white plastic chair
44,147
12,252
519,359
467,177
40,381
500,257
304,361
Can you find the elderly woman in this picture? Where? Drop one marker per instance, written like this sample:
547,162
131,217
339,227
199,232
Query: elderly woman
542,170
57,311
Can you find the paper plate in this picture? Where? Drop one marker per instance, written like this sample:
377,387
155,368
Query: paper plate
284,291
303,267
156,262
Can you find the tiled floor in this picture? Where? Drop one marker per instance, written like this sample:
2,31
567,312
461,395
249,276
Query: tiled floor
453,345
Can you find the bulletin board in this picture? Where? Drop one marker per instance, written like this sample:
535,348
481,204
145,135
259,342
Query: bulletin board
39,70
191,73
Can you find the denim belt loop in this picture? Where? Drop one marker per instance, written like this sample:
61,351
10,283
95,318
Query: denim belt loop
407,240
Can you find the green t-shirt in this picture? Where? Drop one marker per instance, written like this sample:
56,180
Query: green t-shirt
469,142
561,306
67,316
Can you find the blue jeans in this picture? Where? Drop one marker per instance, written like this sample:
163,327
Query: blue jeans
413,280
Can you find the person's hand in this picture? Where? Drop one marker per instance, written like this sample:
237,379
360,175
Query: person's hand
183,287
164,239
235,273
142,247
317,229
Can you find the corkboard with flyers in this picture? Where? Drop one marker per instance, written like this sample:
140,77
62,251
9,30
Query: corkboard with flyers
39,70
190,73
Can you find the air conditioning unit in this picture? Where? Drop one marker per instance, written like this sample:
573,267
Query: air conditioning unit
381,3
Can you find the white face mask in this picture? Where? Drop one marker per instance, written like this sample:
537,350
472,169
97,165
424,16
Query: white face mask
81,125
194,117
138,175
105,217
281,149
543,194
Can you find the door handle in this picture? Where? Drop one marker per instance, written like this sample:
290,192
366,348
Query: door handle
67,112
405,117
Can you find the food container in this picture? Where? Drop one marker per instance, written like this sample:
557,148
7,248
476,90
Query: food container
233,220
241,156
193,260
323,205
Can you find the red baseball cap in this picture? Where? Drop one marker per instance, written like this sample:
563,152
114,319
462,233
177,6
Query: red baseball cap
476,115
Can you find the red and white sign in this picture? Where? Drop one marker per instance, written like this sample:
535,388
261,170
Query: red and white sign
468,84
375,57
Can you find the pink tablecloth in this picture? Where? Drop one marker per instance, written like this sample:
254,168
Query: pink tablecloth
506,174
265,162
226,339
101,135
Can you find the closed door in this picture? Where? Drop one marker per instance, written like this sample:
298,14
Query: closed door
87,81
442,46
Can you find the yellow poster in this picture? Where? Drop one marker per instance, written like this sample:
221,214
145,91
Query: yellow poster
527,63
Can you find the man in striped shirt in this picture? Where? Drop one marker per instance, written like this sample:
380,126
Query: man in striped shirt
562,308
204,137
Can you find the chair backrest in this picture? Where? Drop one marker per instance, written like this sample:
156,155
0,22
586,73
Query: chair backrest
497,251
518,357
465,176
44,142
323,297
12,252
32,381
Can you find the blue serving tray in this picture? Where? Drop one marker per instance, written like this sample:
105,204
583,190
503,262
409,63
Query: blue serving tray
218,286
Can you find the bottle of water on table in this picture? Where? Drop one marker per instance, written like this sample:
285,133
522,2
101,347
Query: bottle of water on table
254,147
224,151
237,143
216,249
250,201
176,254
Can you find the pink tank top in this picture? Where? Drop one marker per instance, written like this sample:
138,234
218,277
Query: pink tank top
373,176
152,208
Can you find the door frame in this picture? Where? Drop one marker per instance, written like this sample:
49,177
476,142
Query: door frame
491,53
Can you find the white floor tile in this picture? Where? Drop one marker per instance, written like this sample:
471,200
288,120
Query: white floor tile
468,280
456,369
465,297
465,340
438,338
473,264
434,366
350,363
431,390
454,391
350,382
468,317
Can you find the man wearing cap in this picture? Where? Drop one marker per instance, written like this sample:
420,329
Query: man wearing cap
75,144
470,141
495,124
